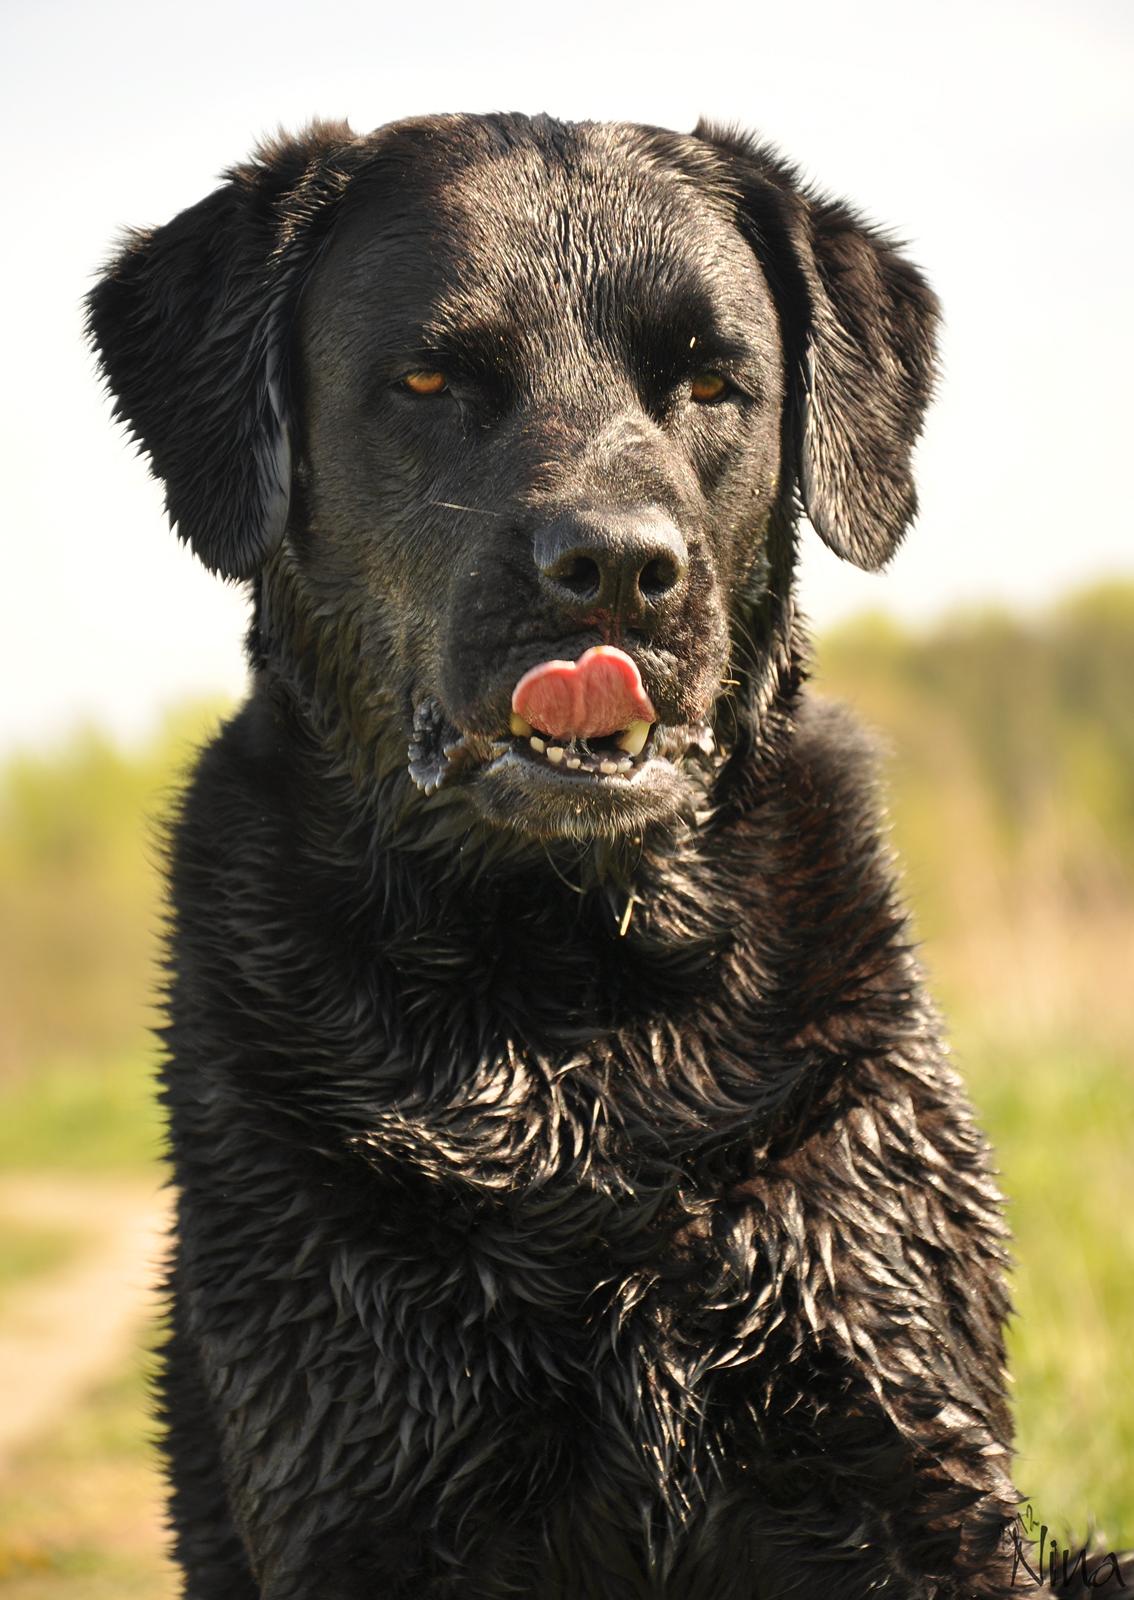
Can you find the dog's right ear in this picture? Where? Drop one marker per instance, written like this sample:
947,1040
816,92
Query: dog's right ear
191,324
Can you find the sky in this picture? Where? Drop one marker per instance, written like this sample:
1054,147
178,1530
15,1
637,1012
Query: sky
995,137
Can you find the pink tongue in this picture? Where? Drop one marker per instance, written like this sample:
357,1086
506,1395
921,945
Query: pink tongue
600,693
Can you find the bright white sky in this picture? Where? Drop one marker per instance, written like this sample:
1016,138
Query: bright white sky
995,135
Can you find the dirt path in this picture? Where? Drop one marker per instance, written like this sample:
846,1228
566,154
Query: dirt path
64,1331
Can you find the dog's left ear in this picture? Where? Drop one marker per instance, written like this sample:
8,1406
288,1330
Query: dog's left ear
859,326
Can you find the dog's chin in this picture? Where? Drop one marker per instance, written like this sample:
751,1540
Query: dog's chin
542,802
583,790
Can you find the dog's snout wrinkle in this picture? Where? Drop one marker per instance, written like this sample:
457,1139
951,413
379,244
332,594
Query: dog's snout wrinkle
618,562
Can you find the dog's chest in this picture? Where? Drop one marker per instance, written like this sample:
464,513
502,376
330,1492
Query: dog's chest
549,1342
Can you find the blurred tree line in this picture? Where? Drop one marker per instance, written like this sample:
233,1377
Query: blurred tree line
1008,757
80,894
1009,760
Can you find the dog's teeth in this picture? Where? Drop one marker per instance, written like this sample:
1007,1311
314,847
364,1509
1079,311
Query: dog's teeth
537,744
574,763
625,764
518,726
633,741
609,767
555,753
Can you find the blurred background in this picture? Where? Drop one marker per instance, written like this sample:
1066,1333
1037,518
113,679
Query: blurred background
995,658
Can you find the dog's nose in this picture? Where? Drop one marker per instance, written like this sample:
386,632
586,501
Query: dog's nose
621,562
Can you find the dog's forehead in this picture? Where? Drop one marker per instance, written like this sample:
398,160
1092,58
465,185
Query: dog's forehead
608,205
598,225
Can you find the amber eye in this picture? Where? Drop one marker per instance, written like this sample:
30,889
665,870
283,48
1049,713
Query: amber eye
707,387
426,382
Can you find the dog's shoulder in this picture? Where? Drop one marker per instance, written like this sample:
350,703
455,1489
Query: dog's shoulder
835,752
824,800
234,804
237,770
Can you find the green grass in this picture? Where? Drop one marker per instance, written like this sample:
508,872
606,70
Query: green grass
81,1118
1061,1120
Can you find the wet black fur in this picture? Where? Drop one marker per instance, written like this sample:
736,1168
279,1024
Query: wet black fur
524,1250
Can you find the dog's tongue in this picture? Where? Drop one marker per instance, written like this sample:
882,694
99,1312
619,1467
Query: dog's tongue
600,693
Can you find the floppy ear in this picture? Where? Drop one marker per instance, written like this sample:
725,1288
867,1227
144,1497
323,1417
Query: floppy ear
191,324
859,333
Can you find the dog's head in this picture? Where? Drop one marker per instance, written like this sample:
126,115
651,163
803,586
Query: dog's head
507,419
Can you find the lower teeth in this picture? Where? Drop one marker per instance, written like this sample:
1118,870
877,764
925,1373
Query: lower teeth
609,764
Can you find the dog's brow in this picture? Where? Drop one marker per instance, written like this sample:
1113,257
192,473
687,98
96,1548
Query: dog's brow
684,323
679,345
476,344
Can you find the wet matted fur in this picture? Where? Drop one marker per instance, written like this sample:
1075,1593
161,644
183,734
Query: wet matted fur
573,1197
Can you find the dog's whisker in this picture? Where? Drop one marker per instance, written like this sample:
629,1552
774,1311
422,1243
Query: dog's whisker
477,511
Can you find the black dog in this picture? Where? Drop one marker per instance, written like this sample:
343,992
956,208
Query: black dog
573,1198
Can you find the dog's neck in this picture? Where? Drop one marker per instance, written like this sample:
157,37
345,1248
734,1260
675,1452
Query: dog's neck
773,919
763,911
